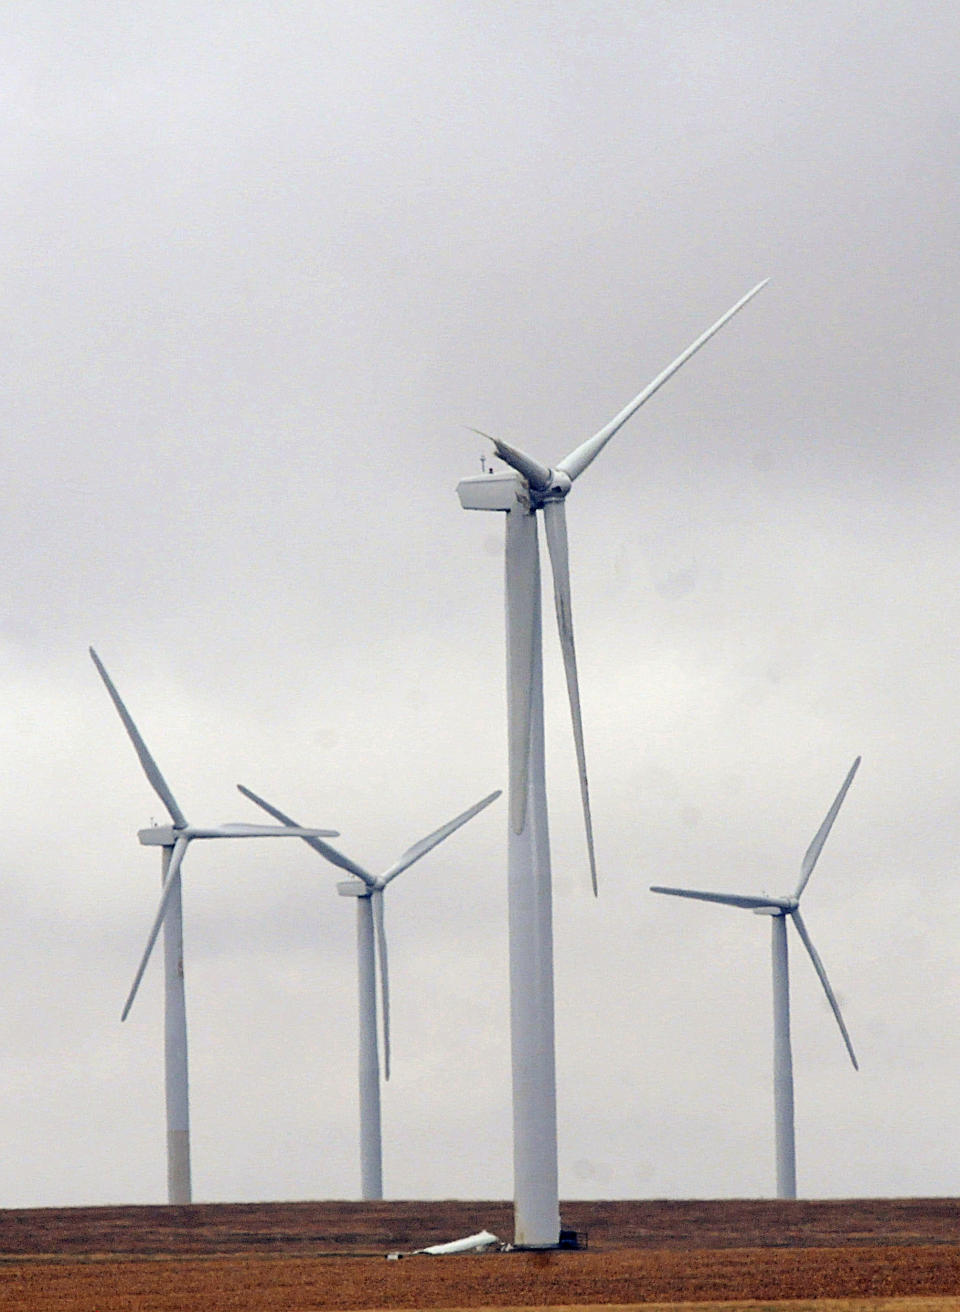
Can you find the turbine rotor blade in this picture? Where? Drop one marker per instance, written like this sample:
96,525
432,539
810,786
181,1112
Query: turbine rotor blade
172,875
329,853
578,460
150,767
816,847
241,830
537,475
522,570
818,967
555,523
725,899
427,844
376,903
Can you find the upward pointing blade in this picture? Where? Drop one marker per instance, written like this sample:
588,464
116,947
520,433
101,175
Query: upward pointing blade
818,967
427,844
555,522
150,768
376,903
537,475
330,853
816,847
577,461
523,640
172,875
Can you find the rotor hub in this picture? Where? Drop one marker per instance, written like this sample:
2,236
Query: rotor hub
558,487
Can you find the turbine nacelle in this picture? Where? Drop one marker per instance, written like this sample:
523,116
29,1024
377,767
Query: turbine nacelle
777,906
536,487
159,836
531,485
354,888
176,837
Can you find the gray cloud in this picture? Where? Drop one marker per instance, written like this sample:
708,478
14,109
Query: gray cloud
261,270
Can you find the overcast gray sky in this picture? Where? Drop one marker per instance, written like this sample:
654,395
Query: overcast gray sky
262,266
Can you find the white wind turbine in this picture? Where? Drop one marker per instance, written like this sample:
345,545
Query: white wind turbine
531,487
173,841
368,890
779,909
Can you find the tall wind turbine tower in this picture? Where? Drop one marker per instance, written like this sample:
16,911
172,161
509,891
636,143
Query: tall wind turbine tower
173,841
531,488
368,891
780,910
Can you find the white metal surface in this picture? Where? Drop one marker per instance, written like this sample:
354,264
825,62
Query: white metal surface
173,841
779,909
539,487
488,492
530,908
785,1147
470,1244
176,1077
371,1148
368,890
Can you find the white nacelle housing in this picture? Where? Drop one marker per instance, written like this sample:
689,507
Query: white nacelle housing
490,492
158,836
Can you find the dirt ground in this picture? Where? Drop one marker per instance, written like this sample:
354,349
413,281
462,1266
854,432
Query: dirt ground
353,1228
305,1256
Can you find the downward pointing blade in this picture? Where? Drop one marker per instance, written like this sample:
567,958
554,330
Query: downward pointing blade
555,522
172,875
150,768
523,641
427,844
376,903
330,853
725,899
537,475
816,847
818,967
577,461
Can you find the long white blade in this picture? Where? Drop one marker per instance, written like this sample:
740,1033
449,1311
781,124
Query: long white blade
537,475
376,903
523,636
150,767
818,967
816,847
330,853
257,831
173,874
726,899
577,461
427,844
555,522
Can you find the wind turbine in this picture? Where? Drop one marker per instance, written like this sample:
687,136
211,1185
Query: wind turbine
779,909
173,841
531,487
368,890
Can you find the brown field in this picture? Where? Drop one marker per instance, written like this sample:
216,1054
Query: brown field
881,1255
